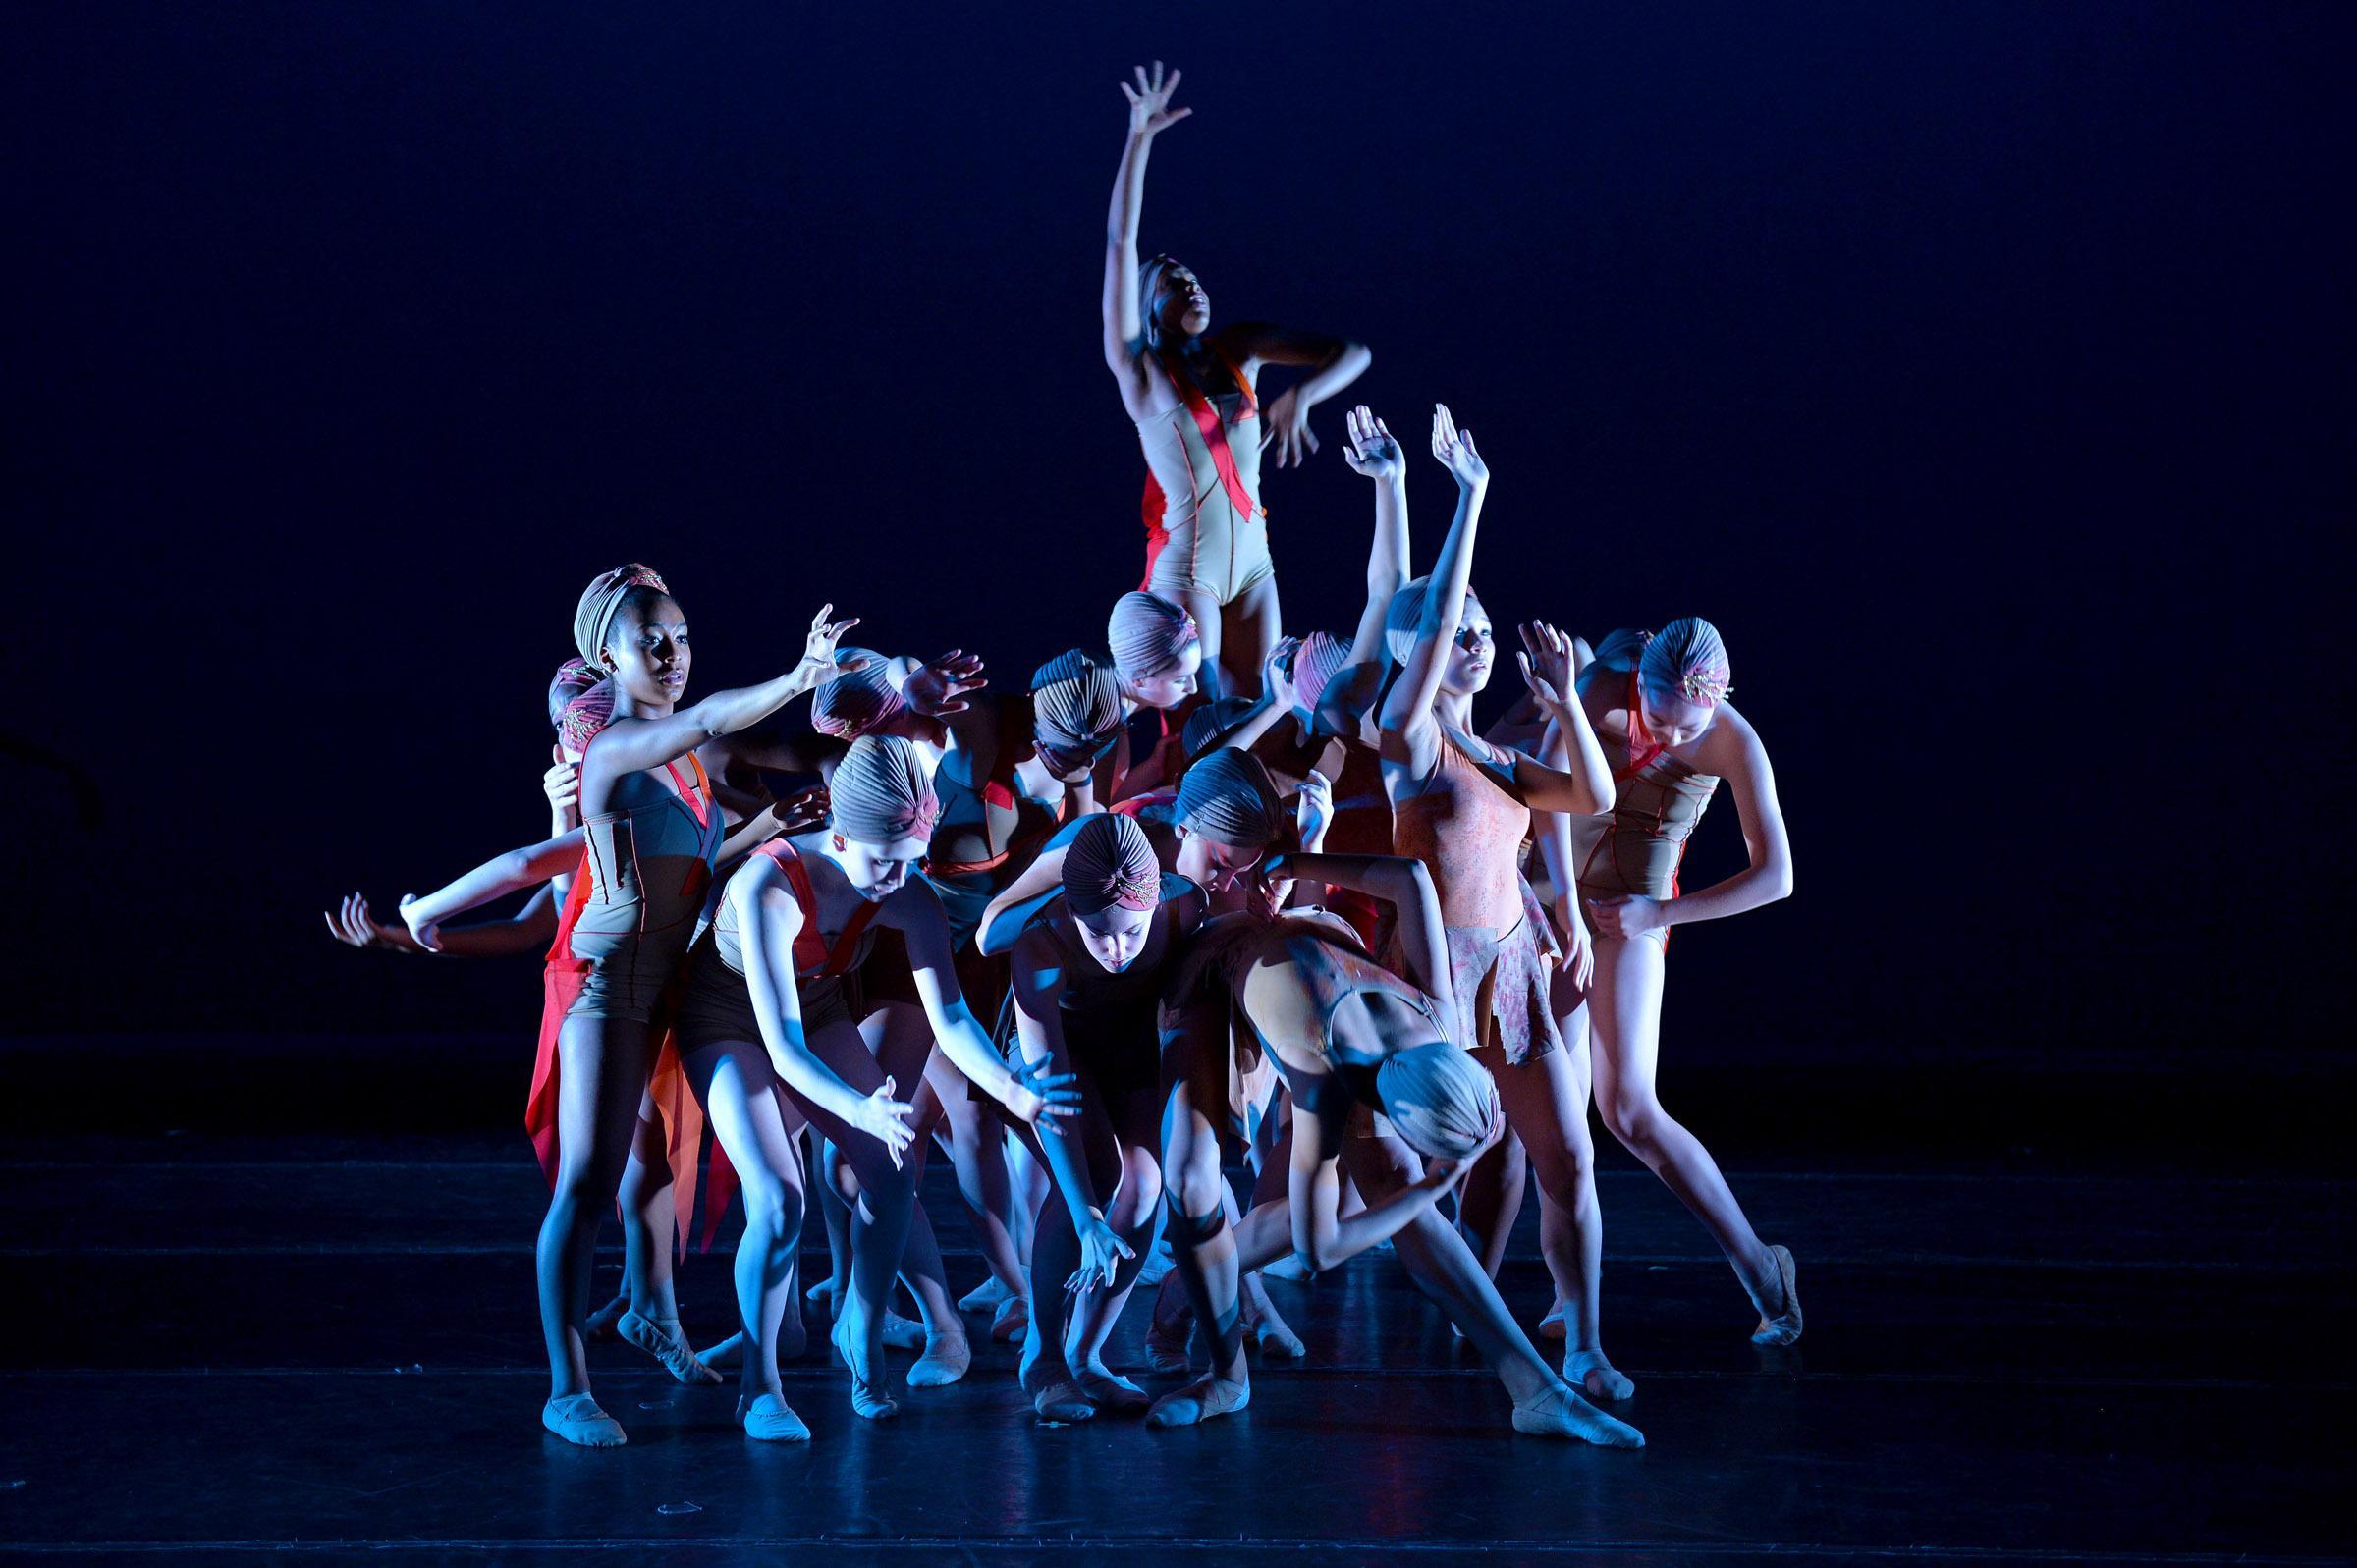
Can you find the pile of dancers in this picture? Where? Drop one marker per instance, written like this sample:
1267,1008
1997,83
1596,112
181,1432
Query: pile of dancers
1216,899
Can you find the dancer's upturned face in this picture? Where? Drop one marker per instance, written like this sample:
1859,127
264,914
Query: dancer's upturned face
1674,718
1470,657
1182,306
1171,686
877,871
648,647
1114,936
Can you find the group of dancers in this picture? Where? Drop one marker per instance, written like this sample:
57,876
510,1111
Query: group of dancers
1216,897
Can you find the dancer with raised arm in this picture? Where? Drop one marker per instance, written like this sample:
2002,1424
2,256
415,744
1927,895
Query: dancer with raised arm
1352,1041
1191,392
771,1011
1463,810
1659,704
652,837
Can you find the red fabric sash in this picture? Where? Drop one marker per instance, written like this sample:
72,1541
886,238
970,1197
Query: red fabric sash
1215,437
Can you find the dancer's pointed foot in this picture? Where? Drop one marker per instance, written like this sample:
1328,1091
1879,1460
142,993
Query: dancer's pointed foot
1199,1401
663,1340
729,1349
985,1297
600,1325
1012,1320
1270,1331
1556,1412
946,1358
577,1419
769,1418
826,1294
1551,1327
903,1333
1292,1268
871,1383
1588,1370
1109,1390
1064,1401
1782,1327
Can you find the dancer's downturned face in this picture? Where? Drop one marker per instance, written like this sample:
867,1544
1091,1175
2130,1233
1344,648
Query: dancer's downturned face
647,651
1181,306
1116,936
1172,685
1674,718
875,871
1470,657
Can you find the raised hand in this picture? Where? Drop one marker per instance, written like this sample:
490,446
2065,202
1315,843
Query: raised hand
819,661
802,810
1150,110
1286,420
1454,449
1040,1093
886,1119
935,689
1101,1253
562,783
1314,811
1277,673
1370,450
1546,663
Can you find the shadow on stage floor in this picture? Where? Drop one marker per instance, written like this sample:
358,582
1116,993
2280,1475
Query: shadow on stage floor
226,1344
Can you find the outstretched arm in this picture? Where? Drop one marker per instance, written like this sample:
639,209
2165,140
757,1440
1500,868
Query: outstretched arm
1038,989
354,924
1374,454
1573,777
496,877
1410,733
770,917
630,745
1030,1096
1150,114
1322,1236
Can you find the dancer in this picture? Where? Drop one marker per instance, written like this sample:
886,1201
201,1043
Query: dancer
1157,656
1463,810
771,1002
1191,394
1659,703
1352,1041
651,839
1089,971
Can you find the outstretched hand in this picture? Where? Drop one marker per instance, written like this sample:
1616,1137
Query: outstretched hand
1040,1093
1101,1253
1546,663
819,660
1150,110
353,924
936,689
1454,449
1370,453
886,1119
1287,421
802,810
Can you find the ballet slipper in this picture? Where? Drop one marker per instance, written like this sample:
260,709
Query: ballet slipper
1552,1325
1161,1261
577,1419
728,1350
1109,1390
985,1297
1590,1370
1199,1401
1064,1401
1269,1331
1012,1320
1166,1344
871,1397
1055,1395
1556,1412
903,1333
946,1358
1292,1267
601,1322
825,1294
770,1419
1783,1327
664,1341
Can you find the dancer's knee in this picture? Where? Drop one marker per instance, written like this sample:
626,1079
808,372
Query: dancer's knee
1140,1191
773,1209
1633,1119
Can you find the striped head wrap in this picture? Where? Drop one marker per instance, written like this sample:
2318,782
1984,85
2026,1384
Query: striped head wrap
1207,724
585,716
881,793
1317,662
1684,659
1111,864
1405,616
572,677
1227,797
1148,634
593,617
1076,703
848,706
1439,1101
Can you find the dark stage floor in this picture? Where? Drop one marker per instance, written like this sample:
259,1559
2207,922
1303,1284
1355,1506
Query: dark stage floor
225,1345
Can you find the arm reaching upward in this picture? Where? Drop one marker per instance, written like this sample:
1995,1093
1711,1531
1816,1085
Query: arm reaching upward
1412,733
1375,455
1150,114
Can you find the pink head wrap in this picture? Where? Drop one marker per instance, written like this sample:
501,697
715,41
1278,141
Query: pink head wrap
593,617
572,677
1111,863
585,716
1684,659
881,793
1148,634
850,706
1316,662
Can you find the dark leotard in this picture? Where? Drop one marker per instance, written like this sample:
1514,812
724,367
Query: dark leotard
719,1004
1112,1021
649,860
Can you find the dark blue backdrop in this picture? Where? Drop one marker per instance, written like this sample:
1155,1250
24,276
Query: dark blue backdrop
1983,372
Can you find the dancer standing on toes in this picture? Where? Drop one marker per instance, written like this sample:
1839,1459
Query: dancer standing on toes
1659,702
1088,980
769,1033
1353,1043
1463,810
1191,393
652,837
